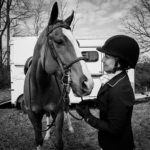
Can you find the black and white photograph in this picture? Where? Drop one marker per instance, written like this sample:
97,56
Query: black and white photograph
74,74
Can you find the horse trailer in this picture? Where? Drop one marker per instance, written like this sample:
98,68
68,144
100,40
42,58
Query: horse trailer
22,48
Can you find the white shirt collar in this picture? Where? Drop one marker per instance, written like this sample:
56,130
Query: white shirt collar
108,76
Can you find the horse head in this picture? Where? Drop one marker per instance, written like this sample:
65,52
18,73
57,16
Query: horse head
61,49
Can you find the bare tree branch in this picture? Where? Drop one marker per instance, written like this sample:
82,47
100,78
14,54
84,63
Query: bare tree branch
137,23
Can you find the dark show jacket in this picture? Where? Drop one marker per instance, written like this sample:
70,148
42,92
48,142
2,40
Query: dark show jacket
115,101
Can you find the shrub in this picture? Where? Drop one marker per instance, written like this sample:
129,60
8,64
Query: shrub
142,77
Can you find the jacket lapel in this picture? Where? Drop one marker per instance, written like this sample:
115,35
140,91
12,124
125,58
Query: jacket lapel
117,79
103,89
112,82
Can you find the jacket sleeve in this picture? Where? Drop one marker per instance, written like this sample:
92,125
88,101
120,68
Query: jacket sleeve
117,116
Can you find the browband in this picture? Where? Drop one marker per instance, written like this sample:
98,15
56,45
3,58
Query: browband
59,24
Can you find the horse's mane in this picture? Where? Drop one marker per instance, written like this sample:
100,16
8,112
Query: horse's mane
42,38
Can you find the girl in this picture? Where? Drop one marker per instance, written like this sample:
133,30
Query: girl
115,98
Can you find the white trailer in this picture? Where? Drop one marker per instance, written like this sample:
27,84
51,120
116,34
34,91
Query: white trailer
22,48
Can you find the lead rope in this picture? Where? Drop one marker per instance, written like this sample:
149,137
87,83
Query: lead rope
66,81
71,114
62,96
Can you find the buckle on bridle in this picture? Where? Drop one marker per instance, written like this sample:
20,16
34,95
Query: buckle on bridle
66,78
73,62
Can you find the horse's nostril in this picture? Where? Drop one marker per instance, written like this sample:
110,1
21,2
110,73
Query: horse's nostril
83,79
84,86
84,83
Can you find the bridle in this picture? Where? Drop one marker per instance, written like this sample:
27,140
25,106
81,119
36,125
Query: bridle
65,68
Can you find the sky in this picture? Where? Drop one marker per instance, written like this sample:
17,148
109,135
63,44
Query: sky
99,18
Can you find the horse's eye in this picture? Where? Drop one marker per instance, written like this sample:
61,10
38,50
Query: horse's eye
59,41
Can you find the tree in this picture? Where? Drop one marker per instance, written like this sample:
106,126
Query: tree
63,7
4,24
39,14
40,11
10,12
1,5
7,7
137,23
20,11
1,33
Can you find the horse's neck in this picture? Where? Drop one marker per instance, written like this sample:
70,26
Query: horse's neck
40,78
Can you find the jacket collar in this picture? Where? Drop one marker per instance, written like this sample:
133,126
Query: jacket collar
113,82
106,77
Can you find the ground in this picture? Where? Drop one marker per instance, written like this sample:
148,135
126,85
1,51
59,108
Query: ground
16,132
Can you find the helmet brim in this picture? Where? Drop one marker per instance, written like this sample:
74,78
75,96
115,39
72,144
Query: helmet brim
102,50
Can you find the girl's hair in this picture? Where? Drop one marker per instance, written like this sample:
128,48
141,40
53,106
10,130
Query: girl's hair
120,65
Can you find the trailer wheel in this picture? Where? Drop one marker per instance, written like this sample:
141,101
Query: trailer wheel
20,103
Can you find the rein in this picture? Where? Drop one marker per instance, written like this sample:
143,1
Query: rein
65,70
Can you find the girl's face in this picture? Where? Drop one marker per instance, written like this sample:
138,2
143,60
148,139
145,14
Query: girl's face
109,63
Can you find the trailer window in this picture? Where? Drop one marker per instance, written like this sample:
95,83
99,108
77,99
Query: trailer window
91,56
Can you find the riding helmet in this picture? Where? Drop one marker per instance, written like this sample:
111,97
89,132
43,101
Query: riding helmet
123,47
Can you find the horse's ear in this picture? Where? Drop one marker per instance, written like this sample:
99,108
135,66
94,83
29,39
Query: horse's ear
54,14
70,18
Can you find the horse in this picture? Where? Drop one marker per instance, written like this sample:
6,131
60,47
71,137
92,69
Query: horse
55,53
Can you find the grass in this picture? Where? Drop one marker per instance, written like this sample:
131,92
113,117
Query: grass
16,131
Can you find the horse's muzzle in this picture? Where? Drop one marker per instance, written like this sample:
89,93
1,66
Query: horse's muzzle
85,87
